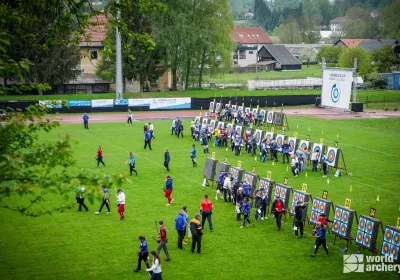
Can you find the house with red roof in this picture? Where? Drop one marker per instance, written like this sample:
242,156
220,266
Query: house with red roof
249,41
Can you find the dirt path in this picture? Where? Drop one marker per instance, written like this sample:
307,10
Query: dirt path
162,115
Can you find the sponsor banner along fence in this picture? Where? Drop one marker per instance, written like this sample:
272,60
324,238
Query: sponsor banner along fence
139,102
170,103
80,103
102,103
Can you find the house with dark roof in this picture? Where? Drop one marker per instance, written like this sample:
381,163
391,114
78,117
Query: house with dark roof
248,41
279,56
371,45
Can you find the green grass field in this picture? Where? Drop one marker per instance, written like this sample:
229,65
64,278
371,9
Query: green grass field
314,71
80,245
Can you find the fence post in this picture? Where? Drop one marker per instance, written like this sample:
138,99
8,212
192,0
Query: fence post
366,101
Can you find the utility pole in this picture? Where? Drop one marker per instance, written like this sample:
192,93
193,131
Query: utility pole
118,78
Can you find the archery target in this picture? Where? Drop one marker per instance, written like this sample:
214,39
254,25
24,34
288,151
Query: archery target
269,136
343,228
221,125
280,139
236,173
301,197
360,237
229,128
319,148
284,193
217,107
295,197
279,117
305,144
204,121
258,136
239,130
210,168
222,166
322,207
396,238
251,179
394,250
267,186
315,206
270,116
292,145
240,109
338,213
369,226
211,109
345,216
247,110
385,248
361,224
313,217
367,240
212,124
255,112
388,235
263,113
197,120
277,191
336,226
333,156
234,107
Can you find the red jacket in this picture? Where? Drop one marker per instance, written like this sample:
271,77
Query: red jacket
99,153
163,233
206,205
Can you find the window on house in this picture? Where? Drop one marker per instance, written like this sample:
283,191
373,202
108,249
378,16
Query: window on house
93,54
250,52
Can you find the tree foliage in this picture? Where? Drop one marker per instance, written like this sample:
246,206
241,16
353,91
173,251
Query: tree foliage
33,168
391,20
347,56
331,53
384,59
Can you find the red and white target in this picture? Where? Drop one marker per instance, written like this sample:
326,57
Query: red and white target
333,156
292,145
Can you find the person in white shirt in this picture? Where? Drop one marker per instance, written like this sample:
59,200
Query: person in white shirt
155,269
151,129
314,160
129,118
173,127
121,204
227,188
295,166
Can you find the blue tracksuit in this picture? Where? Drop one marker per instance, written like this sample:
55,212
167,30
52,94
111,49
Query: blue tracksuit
168,184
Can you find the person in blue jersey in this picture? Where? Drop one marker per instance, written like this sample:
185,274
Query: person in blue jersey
285,152
105,200
246,212
143,254
320,232
194,153
85,121
132,163
168,189
238,145
147,139
180,225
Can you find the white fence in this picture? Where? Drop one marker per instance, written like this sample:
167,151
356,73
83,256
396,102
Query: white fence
285,84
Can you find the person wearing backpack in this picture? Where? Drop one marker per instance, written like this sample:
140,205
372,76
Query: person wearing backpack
180,224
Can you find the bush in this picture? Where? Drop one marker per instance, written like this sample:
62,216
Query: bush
376,81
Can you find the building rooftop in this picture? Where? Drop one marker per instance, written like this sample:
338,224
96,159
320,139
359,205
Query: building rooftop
95,32
338,20
250,35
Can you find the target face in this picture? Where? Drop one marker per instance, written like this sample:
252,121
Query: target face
277,191
269,136
197,120
301,198
361,224
369,227
270,117
345,216
279,141
338,213
388,235
315,205
367,240
234,107
332,156
229,128
205,121
359,237
221,125
212,124
385,248
255,111
295,197
322,207
335,226
283,192
313,217
318,148
211,106
335,94
240,109
247,110
262,113
343,228
303,146
394,250
217,107
292,145
396,238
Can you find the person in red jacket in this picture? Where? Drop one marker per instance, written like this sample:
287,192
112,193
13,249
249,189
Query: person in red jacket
100,156
206,212
163,241
278,209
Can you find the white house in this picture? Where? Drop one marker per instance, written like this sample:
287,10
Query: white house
336,24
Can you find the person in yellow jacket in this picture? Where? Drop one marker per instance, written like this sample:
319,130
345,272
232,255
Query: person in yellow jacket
216,135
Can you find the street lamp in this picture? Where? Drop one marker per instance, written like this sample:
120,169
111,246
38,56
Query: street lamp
118,71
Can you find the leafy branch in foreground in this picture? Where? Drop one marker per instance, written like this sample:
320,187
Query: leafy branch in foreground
29,166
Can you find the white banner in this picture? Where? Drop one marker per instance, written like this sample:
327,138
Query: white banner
139,102
336,88
170,103
102,103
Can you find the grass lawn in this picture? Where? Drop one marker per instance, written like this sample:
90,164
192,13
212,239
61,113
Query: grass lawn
80,245
314,71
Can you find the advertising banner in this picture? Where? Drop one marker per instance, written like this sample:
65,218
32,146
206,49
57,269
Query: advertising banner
139,102
51,103
102,103
336,88
80,103
170,103
121,102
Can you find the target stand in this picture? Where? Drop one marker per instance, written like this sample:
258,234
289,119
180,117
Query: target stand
334,154
343,231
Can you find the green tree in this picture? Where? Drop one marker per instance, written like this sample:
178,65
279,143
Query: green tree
308,55
33,168
391,21
331,53
347,56
384,59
